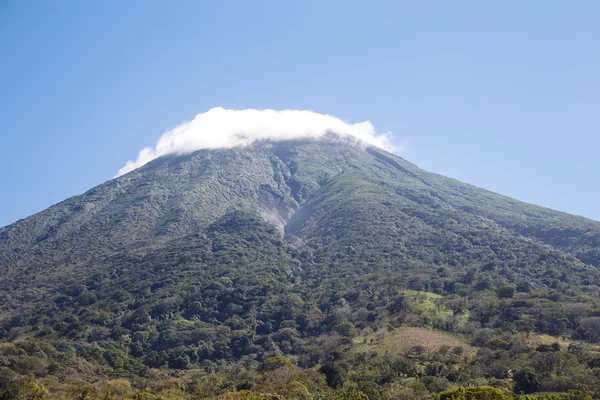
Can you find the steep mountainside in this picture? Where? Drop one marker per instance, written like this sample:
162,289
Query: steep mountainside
294,185
206,260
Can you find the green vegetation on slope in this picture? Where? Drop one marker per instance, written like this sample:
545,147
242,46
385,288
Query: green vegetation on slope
307,270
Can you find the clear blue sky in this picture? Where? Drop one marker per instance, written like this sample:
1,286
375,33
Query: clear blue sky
504,95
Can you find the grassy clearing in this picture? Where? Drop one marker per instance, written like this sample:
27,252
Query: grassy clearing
407,338
535,339
401,341
428,303
431,305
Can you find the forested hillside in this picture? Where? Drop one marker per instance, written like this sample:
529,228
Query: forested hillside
298,270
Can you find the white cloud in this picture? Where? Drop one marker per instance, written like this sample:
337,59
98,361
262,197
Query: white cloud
221,128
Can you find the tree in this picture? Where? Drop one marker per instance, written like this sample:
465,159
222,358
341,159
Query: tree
589,328
345,328
418,282
484,309
526,381
248,395
397,304
576,311
506,292
456,304
353,395
276,362
7,376
25,388
474,393
334,375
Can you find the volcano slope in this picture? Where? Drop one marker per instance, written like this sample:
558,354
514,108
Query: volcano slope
288,267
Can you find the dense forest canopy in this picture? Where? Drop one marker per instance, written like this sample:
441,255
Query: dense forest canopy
298,270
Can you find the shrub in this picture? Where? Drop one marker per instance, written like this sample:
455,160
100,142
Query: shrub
248,395
25,388
474,393
274,363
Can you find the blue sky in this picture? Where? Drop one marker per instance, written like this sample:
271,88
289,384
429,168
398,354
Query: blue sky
504,95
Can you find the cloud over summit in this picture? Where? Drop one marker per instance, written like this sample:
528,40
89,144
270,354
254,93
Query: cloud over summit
221,128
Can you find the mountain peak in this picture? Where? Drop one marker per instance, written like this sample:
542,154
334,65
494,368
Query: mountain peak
219,128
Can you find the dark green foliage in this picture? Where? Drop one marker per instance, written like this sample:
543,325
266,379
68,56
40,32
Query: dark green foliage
334,374
573,395
526,381
7,376
248,395
474,393
25,388
353,395
274,363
